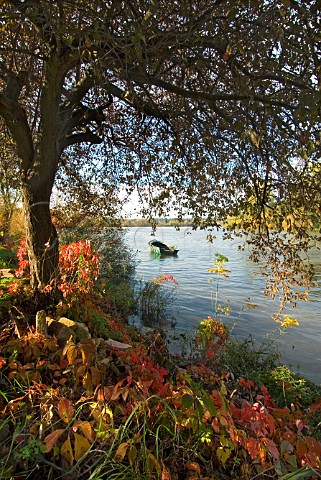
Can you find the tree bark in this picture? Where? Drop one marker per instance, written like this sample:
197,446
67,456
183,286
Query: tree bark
41,237
6,219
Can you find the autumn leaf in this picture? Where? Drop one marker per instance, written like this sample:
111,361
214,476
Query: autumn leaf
301,447
87,382
102,415
66,410
72,353
165,473
95,376
86,429
51,439
132,454
125,393
87,349
152,463
289,322
253,447
81,446
66,451
194,467
121,452
271,448
255,138
228,53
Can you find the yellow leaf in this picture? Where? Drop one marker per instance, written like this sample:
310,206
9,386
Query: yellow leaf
121,452
87,349
251,305
102,415
66,451
72,354
81,446
284,225
86,430
87,382
289,322
229,49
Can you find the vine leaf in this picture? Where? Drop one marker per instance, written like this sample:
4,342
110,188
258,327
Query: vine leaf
66,410
82,446
52,439
66,451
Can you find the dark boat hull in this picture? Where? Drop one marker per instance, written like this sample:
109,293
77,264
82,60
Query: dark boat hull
160,248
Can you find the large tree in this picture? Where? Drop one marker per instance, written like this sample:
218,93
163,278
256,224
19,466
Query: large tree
209,104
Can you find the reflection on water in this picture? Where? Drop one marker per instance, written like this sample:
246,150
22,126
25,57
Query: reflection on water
300,347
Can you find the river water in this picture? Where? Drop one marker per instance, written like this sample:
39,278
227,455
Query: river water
300,346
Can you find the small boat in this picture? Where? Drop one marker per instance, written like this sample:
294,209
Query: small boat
160,248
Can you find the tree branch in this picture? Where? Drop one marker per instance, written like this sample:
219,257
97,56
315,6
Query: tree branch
77,93
17,122
150,109
208,97
87,136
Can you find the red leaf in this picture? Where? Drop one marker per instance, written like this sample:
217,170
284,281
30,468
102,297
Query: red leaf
193,466
271,448
52,439
301,448
253,447
66,410
165,473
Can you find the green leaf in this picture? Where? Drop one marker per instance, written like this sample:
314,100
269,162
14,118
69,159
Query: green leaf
132,454
223,454
303,472
199,409
210,406
187,400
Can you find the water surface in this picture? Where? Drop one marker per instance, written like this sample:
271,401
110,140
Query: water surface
300,347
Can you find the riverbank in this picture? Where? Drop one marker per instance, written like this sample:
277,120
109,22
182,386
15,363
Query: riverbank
86,408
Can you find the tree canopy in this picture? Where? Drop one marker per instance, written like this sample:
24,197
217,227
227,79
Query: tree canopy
213,106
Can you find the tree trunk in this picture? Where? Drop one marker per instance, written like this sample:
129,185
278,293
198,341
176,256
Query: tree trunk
8,206
41,237
6,218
